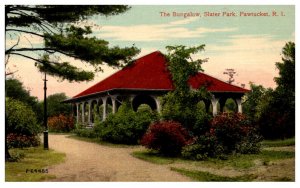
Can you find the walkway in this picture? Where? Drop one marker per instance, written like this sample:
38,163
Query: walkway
87,161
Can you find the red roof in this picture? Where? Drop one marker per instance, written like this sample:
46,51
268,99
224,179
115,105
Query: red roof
150,73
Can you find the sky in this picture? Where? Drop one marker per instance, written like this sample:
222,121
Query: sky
233,36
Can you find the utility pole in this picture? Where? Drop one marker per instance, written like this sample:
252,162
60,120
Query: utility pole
46,145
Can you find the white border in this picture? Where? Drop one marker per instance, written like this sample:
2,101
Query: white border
147,184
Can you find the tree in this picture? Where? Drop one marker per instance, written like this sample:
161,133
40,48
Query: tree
181,103
286,68
56,107
15,90
230,73
182,66
19,119
277,117
256,101
64,34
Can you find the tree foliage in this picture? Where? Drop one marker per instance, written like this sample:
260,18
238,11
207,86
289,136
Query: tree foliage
181,104
182,66
286,79
274,110
62,29
55,106
20,118
277,120
256,101
15,90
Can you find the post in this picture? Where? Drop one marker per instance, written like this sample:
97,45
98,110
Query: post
46,145
214,102
157,102
239,104
104,101
114,106
90,115
83,112
77,113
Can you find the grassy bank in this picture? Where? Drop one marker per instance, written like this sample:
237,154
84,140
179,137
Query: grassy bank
273,163
278,143
32,165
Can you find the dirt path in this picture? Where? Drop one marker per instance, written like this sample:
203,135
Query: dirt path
93,162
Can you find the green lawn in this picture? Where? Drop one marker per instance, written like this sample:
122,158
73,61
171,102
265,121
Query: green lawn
280,163
236,161
33,166
278,143
206,176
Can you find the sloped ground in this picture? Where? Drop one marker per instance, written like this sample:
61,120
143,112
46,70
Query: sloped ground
87,161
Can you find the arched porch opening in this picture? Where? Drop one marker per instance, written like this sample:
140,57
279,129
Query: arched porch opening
143,99
230,105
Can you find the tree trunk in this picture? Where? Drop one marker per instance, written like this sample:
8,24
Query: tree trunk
7,154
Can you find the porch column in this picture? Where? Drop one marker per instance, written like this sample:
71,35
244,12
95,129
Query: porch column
77,113
157,104
114,105
104,101
214,102
239,104
90,120
131,97
83,113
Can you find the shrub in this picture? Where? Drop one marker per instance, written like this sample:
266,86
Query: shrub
187,110
20,118
126,126
229,129
228,133
21,141
204,147
168,137
61,123
86,132
202,122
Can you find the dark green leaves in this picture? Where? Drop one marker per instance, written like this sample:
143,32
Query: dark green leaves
182,66
60,26
65,71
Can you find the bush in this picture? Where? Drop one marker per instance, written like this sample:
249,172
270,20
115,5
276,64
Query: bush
61,123
20,118
228,133
229,129
187,110
204,147
21,141
202,122
168,137
126,126
86,132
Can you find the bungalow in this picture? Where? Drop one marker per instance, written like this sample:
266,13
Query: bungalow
143,82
